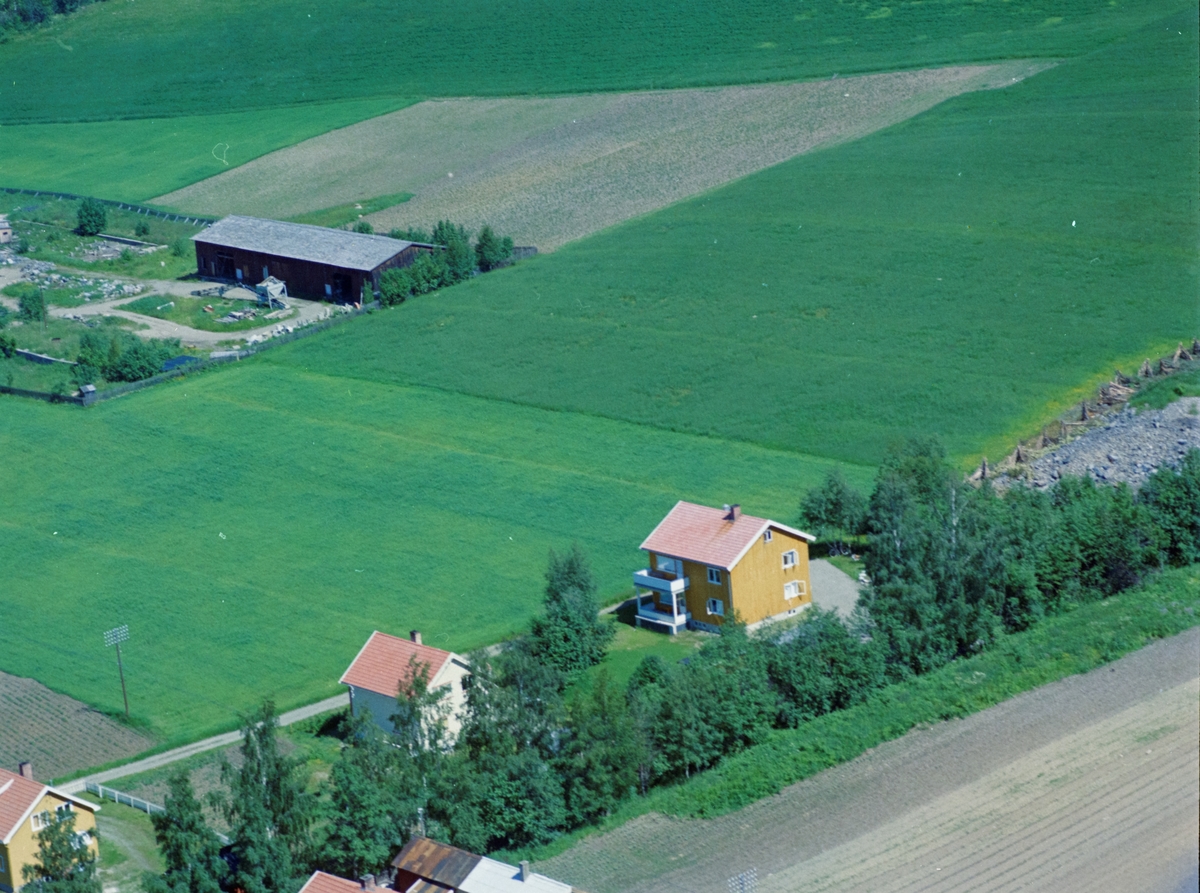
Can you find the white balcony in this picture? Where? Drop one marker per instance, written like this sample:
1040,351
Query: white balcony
662,611
660,582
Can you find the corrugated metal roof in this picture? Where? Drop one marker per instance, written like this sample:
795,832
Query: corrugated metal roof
301,241
386,661
707,535
440,862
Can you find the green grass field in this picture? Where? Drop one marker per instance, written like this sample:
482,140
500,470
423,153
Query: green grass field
254,525
184,57
133,160
340,215
967,273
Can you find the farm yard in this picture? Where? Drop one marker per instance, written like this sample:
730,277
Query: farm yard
1088,783
550,171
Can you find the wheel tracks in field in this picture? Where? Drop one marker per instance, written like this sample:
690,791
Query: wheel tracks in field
895,859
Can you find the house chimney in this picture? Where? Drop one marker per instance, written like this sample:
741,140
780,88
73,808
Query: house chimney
367,881
415,635
25,769
525,869
733,512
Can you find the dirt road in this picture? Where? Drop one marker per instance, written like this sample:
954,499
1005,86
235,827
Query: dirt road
307,311
1090,783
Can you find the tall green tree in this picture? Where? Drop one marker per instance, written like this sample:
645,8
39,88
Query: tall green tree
365,821
64,862
571,636
460,259
268,810
1173,499
92,217
600,758
190,850
834,507
492,251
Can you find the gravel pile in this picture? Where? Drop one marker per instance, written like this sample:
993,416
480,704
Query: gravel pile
1128,448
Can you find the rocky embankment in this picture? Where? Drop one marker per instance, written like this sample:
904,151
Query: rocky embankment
1128,447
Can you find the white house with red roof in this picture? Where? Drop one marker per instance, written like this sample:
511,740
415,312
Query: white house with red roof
386,663
26,807
706,564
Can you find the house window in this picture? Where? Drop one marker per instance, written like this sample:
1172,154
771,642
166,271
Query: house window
41,820
3,866
714,576
667,565
789,559
716,607
82,840
63,811
791,590
767,537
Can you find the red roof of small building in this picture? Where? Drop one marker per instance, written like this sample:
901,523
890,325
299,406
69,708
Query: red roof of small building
320,882
708,535
386,661
18,797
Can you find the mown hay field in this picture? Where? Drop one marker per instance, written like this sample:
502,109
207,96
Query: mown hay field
186,57
133,160
969,272
253,526
549,171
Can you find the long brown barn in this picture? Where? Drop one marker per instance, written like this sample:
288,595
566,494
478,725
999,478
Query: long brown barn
314,261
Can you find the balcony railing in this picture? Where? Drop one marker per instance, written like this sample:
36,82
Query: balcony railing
660,582
673,618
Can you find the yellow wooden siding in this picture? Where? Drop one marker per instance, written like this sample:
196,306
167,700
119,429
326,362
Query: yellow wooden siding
759,578
22,849
699,591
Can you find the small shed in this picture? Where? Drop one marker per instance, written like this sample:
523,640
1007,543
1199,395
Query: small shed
315,261
5,230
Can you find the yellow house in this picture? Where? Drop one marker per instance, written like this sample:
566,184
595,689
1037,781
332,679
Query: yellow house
27,806
707,563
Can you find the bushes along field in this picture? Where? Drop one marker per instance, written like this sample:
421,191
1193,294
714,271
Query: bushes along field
345,506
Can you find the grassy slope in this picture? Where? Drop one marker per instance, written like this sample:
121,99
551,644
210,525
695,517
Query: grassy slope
133,160
184,57
345,506
963,273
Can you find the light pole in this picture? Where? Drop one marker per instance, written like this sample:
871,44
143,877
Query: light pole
115,637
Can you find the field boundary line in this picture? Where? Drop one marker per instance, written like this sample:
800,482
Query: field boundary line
79,785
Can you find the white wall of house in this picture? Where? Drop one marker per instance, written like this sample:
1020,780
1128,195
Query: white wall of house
383,707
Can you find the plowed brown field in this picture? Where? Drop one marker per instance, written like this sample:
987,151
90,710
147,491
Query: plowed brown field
1087,784
57,734
548,171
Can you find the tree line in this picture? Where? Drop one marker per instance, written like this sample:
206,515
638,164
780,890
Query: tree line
21,15
547,744
458,260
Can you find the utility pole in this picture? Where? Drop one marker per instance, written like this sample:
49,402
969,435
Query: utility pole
115,637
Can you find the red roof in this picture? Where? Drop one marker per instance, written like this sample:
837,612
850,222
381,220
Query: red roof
385,661
320,882
708,536
18,797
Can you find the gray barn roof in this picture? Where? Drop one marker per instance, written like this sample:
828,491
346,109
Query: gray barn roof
300,241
